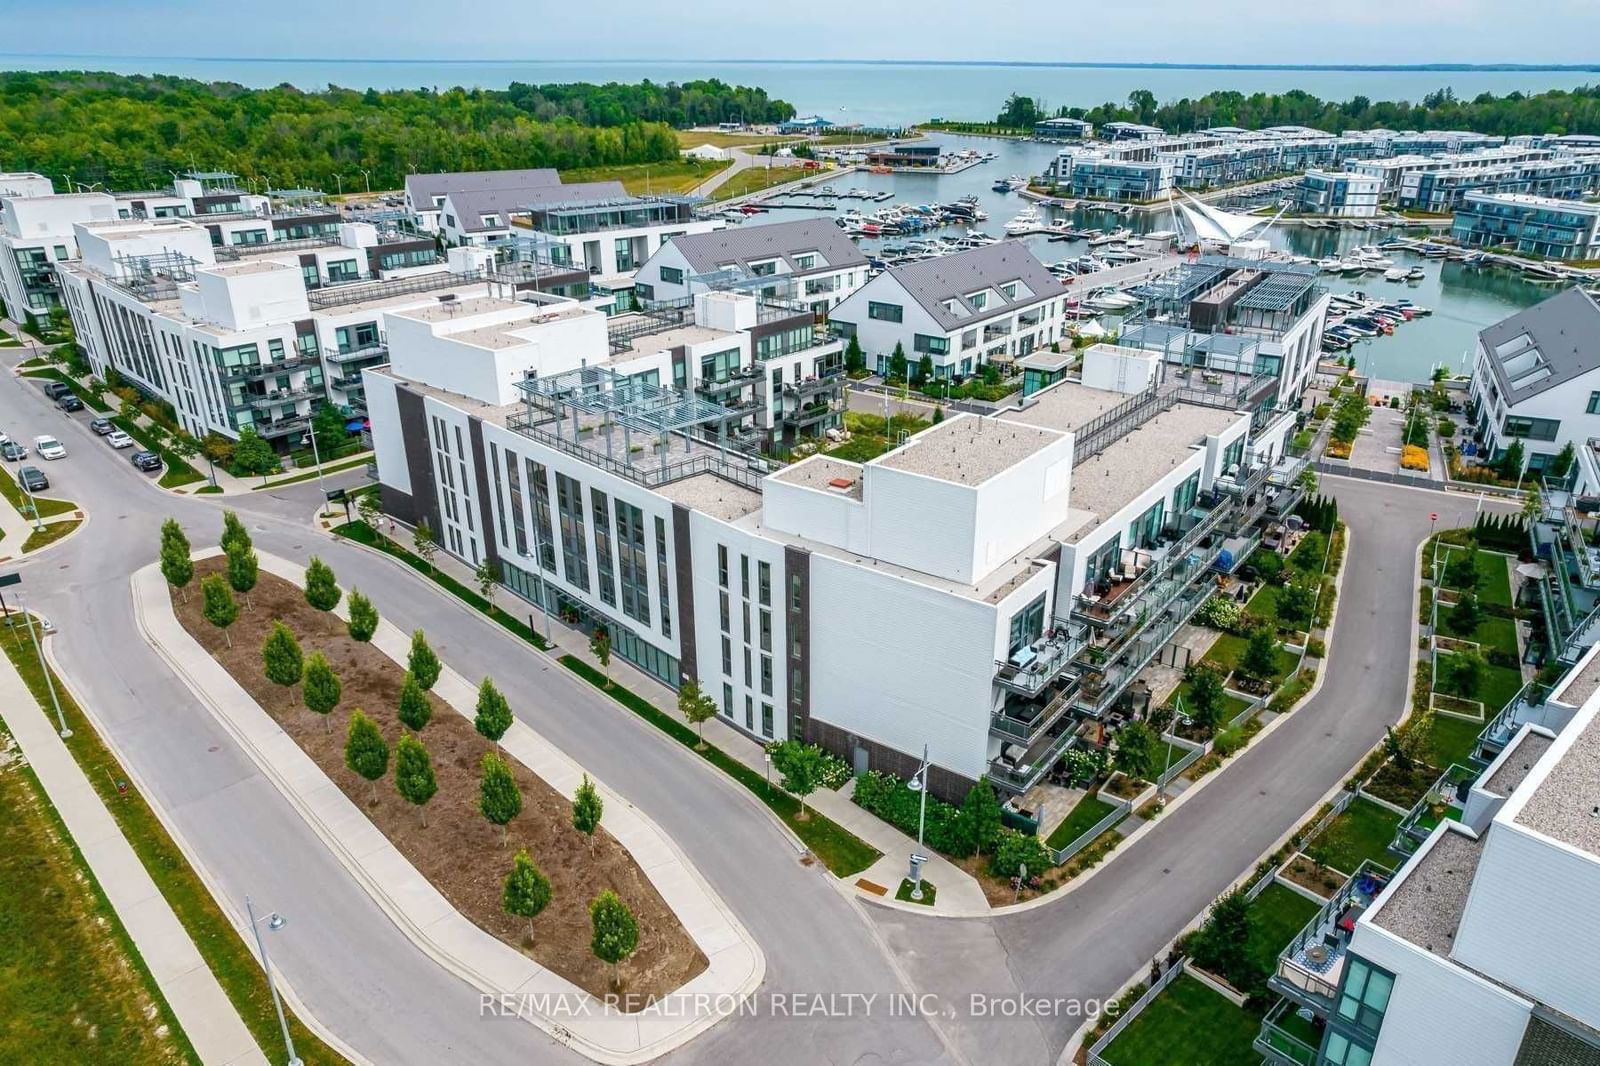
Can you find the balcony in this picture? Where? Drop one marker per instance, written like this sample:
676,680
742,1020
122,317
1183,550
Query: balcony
1309,968
1115,662
1032,668
1023,721
252,371
1445,801
828,381
811,414
1019,771
283,427
1287,1037
281,396
1153,581
357,355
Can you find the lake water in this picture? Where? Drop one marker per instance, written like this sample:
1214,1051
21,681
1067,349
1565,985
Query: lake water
1464,299
880,94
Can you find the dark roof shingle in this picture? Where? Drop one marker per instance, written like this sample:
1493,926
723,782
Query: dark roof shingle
742,245
1563,331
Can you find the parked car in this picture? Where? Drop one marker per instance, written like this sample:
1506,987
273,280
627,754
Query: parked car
118,439
46,447
146,460
53,389
102,426
13,452
33,479
69,402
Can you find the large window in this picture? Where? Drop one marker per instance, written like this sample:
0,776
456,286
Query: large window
1532,428
602,547
519,530
544,539
1364,996
574,552
671,276
1341,1050
663,593
885,312
718,367
1184,497
1027,625
1105,561
930,345
1594,404
1148,525
786,342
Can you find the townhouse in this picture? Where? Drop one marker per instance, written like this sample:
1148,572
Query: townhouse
1340,194
1537,225
987,305
810,260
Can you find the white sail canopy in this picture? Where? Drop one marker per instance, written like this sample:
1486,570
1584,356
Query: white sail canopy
1214,224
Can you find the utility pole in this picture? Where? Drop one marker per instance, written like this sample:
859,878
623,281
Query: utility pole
274,921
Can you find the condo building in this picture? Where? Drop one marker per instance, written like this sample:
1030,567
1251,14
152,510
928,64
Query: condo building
1340,194
1536,225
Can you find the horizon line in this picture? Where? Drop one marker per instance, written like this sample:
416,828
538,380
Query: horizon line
1439,67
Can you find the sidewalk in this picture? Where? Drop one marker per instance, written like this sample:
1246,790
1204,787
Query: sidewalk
958,891
208,1018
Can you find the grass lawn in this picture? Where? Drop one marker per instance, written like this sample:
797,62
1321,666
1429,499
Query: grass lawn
1362,831
220,944
1452,740
1499,685
1232,706
754,179
178,472
860,448
1228,649
1084,816
73,988
1292,1025
1279,912
309,475
675,176
929,892
718,139
51,533
1494,580
47,508
1187,1025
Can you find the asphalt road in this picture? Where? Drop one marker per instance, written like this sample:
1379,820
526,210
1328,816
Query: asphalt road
368,984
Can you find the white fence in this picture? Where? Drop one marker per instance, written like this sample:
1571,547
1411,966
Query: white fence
1132,1012
1120,809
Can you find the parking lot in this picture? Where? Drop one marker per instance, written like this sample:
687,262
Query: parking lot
73,430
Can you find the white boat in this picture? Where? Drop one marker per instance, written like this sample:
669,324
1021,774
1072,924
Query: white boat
1331,265
1416,273
1115,235
1395,274
1026,221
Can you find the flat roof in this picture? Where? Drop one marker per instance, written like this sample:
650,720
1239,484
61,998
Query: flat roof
1516,763
1045,359
448,310
1109,481
712,495
255,266
1425,905
1580,685
968,449
1065,406
684,335
1564,804
506,335
822,473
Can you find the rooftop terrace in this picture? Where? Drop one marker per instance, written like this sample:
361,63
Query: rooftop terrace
1424,906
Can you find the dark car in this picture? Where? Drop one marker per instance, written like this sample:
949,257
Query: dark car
33,479
101,426
53,389
68,402
13,452
146,460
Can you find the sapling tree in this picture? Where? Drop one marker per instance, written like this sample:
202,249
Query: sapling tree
413,774
320,689
527,890
422,662
499,799
219,608
365,751
280,656
494,713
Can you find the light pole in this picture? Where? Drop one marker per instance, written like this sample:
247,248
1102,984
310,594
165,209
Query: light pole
44,667
33,503
316,457
919,784
274,921
367,175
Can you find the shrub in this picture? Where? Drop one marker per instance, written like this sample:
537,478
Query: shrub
1447,427
1228,742
889,798
322,591
1220,612
1015,850
1413,458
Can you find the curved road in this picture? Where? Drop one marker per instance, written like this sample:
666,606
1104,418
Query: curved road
377,993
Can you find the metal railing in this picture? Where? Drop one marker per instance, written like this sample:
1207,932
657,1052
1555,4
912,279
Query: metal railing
1139,590
1120,809
361,292
1170,773
1413,828
1104,430
1279,1046
356,355
257,370
1109,1037
707,461
1028,731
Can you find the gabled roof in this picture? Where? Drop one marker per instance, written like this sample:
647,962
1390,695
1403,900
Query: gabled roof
1545,346
931,282
471,205
741,245
422,188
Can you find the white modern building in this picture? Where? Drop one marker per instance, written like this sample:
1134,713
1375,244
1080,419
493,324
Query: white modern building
986,305
810,259
1536,378
1479,949
36,233
1047,552
1341,194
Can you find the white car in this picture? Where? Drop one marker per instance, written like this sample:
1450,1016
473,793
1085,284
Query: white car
118,439
49,448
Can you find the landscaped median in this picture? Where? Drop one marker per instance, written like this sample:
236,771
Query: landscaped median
689,943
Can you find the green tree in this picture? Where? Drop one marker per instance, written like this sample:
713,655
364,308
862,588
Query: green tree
415,707
616,933
1465,616
1531,505
233,532
252,455
1136,751
938,413
176,565
219,608
320,688
1222,944
527,890
327,425
368,509
1512,459
1260,659
363,617
981,810
600,646
1461,568
424,543
499,799
897,362
1268,566
924,370
322,591
587,808
280,656
1208,698
488,578
1019,854
1297,602
696,707
494,713
1562,462
1467,670
413,774
365,751
855,360
218,451
243,570
422,663
803,767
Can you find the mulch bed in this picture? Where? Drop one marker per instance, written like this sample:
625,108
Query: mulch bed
459,851
1323,880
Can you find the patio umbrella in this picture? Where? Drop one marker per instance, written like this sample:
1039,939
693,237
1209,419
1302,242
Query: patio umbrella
1532,571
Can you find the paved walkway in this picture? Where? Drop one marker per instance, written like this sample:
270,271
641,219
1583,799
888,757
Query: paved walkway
214,1028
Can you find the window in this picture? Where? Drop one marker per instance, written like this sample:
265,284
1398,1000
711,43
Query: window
723,597
805,262
543,538
663,592
744,584
794,592
930,345
1027,625
722,567
764,583
727,656
1147,527
1532,428
574,552
727,701
671,276
766,675
978,300
1594,404
766,630
632,562
748,676
499,499
1364,996
519,530
764,269
885,312
1341,1050
766,720
749,712
786,342
1183,499
602,547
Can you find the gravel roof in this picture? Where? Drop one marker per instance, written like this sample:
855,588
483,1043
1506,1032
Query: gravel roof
968,449
820,471
712,495
1066,405
1566,805
1517,764
1581,685
1426,905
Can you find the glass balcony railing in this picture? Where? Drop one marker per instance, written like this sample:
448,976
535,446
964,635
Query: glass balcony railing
1309,968
1288,1038
1024,772
1036,666
1024,721
1110,667
1503,726
1445,801
1174,562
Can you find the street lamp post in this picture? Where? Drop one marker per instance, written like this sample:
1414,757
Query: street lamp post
367,175
919,784
316,457
44,667
274,921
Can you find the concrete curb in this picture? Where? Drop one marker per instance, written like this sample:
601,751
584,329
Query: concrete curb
236,918
594,1029
22,557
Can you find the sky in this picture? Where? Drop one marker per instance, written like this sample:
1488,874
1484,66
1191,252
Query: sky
1168,31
